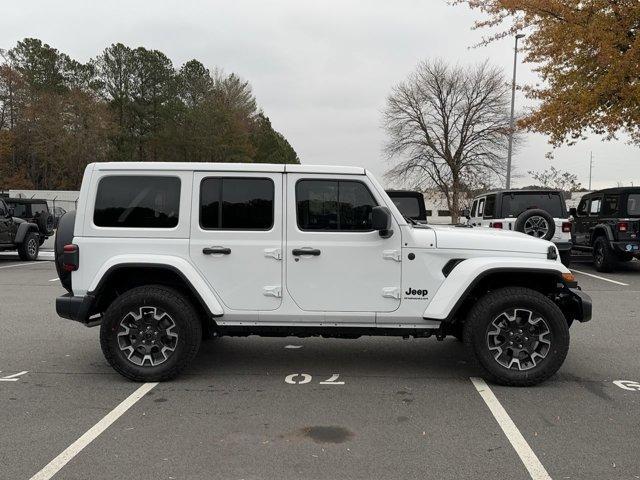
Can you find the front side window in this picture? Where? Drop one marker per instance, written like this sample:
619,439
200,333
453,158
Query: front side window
38,208
473,208
137,201
236,203
19,209
480,207
334,205
633,205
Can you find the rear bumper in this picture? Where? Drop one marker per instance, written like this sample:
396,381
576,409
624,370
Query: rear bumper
631,247
73,308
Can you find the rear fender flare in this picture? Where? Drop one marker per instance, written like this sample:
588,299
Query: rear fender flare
601,227
23,229
466,275
198,285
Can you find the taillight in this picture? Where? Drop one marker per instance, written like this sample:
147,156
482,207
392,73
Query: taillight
623,226
566,227
70,258
496,225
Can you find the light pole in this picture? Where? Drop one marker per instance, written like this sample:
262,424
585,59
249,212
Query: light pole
513,101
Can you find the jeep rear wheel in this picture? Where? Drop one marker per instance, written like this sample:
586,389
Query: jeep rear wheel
29,248
518,336
603,257
150,333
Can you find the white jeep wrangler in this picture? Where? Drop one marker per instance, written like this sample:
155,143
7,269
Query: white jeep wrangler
162,254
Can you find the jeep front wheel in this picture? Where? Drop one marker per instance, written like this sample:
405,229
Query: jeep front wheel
519,336
29,248
150,333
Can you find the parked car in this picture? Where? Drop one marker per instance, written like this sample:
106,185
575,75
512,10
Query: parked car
538,213
18,234
607,224
157,253
410,203
34,211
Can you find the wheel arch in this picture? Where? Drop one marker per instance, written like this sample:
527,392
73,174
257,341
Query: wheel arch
23,229
601,230
468,282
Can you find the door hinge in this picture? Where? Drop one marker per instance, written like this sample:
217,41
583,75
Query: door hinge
392,255
391,292
273,253
272,291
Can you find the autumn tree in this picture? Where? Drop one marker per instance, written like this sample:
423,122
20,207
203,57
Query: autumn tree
587,53
448,129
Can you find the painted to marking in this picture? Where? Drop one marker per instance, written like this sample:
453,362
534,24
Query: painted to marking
534,467
600,278
332,380
306,378
628,385
54,279
14,377
76,447
293,346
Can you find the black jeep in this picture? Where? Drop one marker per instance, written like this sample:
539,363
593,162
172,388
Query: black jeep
18,234
606,223
34,211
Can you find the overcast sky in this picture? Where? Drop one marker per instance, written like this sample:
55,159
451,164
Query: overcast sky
320,70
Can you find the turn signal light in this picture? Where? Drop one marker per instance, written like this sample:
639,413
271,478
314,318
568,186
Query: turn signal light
568,277
566,227
70,258
623,226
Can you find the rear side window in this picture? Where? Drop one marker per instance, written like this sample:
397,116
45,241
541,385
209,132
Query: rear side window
473,208
236,203
334,205
513,204
582,206
610,205
594,209
490,206
136,201
633,205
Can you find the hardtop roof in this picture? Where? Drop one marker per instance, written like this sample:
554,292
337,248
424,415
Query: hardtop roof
230,167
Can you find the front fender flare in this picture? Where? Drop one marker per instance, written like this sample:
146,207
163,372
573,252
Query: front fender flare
179,265
470,271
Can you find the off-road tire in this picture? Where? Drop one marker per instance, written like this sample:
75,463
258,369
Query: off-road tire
29,248
490,307
604,259
565,258
521,221
188,328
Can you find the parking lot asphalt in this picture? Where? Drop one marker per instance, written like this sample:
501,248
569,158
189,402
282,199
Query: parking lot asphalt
397,408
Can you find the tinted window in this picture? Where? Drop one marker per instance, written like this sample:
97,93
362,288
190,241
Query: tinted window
236,203
490,206
37,208
513,204
137,201
333,205
582,206
408,206
473,209
633,205
594,209
610,205
19,209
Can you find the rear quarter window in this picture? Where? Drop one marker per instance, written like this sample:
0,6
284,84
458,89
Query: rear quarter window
137,201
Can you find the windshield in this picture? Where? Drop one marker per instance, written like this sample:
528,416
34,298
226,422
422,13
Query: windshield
633,205
513,204
408,206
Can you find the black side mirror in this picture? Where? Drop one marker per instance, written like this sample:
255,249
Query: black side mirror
573,211
381,221
466,213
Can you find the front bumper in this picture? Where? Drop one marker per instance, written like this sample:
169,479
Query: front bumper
581,305
73,308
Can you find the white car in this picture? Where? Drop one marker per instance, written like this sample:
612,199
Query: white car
538,213
160,254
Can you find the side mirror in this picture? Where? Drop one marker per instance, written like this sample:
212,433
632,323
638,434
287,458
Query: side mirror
381,221
466,213
573,211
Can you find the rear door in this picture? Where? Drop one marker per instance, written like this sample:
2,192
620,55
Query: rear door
236,236
335,261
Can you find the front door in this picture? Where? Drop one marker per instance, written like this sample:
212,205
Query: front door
335,262
236,237
5,224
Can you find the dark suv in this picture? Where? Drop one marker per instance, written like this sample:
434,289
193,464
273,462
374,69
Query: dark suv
606,223
18,234
35,211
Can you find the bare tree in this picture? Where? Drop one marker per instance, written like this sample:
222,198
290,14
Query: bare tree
448,129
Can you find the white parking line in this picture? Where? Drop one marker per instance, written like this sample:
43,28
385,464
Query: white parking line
76,447
519,444
20,265
600,278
